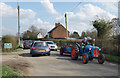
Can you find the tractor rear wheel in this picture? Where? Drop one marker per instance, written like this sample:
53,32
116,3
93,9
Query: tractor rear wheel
61,51
74,55
85,58
101,59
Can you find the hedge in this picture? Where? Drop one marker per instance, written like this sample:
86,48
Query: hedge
9,39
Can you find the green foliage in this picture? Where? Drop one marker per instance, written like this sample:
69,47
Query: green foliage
74,35
8,72
112,58
28,35
9,39
91,34
32,32
83,34
103,28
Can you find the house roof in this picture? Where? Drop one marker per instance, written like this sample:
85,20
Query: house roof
56,28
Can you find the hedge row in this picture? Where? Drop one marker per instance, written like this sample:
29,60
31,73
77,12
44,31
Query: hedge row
9,39
108,46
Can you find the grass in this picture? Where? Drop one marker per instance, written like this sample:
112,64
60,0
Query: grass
112,58
19,49
7,72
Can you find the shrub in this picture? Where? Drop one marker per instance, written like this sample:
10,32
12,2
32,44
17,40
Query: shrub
9,39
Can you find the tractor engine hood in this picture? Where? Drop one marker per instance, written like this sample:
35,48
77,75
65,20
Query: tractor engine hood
91,47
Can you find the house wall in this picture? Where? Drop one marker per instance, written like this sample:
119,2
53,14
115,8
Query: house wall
59,32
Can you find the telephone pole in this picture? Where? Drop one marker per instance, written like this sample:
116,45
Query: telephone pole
66,25
19,25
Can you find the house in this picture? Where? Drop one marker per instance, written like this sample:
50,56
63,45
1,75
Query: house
58,32
39,35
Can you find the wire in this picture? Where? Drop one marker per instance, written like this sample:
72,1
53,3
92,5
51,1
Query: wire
75,6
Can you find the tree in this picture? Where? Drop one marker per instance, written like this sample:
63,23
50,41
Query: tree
32,32
74,35
103,28
28,35
92,34
83,34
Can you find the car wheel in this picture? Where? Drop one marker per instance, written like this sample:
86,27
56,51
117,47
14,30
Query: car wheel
85,58
61,51
32,55
48,54
56,50
74,55
101,59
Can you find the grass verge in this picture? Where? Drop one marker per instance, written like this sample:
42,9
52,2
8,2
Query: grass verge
7,72
111,58
16,50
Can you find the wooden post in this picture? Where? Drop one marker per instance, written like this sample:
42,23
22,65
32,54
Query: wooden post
19,25
66,26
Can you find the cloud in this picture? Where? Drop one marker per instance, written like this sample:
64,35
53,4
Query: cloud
49,7
110,6
6,30
8,12
82,20
41,24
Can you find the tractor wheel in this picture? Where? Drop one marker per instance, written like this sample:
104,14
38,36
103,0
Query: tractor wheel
85,58
48,54
74,55
101,59
61,51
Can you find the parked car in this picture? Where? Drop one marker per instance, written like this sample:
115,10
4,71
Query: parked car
40,47
52,45
27,44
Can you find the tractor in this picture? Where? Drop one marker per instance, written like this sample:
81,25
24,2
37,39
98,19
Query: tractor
87,52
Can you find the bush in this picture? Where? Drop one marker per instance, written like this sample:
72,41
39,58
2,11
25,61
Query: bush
109,46
9,39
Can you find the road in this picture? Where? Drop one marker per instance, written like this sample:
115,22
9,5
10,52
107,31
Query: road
56,65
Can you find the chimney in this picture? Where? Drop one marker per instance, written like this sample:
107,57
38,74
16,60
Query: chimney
56,24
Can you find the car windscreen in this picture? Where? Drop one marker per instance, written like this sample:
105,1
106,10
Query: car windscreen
49,42
26,42
40,44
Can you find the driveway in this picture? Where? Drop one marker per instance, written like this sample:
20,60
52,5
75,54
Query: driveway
56,65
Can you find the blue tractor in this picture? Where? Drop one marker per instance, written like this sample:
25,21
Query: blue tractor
87,52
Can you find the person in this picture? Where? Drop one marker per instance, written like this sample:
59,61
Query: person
85,42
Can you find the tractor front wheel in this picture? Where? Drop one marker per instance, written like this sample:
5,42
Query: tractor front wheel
101,59
61,51
74,55
85,58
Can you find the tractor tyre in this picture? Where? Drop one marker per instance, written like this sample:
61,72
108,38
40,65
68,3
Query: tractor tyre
101,59
85,58
48,54
74,55
61,51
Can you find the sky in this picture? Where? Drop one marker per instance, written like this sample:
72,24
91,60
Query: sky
45,14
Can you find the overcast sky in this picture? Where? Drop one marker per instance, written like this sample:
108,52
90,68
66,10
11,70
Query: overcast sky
45,14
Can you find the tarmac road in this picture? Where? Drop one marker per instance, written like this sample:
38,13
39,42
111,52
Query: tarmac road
57,65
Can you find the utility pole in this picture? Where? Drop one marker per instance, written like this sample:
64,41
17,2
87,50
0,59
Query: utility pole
66,25
19,25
